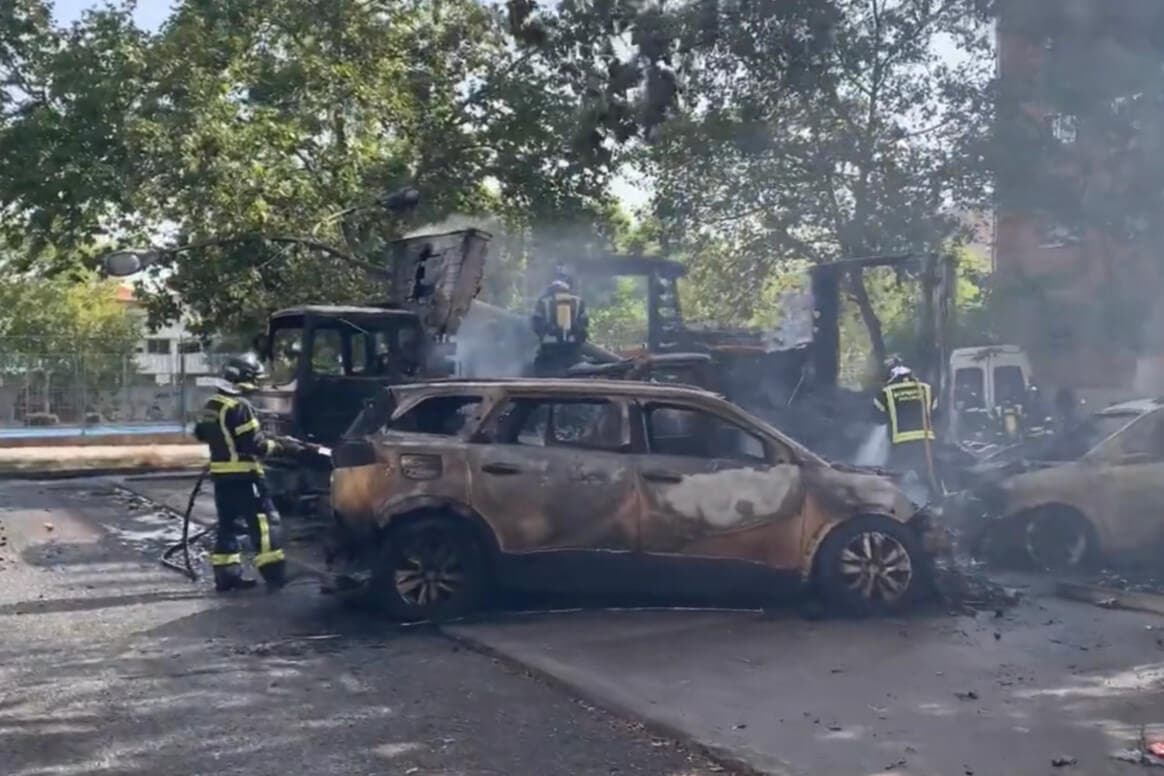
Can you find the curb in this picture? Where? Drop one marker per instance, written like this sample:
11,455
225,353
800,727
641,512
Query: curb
108,471
722,755
1110,597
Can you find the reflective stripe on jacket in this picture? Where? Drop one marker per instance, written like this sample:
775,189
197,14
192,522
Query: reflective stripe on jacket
230,428
909,406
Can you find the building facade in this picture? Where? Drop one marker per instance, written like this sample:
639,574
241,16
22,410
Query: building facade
1078,290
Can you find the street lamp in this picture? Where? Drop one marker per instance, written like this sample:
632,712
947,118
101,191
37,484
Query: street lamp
128,261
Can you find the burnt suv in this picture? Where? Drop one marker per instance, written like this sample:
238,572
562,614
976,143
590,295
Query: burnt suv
447,490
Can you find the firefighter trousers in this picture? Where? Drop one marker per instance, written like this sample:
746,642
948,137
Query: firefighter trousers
243,502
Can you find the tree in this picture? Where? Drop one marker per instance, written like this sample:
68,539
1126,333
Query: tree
74,336
872,159
66,98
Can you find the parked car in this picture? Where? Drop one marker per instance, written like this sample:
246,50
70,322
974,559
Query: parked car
1090,493
444,491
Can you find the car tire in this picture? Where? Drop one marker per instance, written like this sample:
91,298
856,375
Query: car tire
871,565
430,568
1058,539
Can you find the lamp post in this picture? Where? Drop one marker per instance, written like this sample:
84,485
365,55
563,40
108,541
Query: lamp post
129,261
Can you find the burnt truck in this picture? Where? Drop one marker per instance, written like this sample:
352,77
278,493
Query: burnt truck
788,375
326,361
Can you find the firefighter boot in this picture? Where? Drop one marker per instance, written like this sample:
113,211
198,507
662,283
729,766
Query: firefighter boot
228,579
275,575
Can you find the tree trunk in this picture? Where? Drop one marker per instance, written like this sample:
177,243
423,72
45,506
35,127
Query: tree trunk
856,278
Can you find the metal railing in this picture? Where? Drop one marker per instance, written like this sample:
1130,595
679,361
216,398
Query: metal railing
54,390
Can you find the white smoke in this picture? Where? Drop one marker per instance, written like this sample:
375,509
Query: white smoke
874,451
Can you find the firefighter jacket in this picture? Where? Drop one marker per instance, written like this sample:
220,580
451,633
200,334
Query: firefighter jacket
230,428
908,407
560,317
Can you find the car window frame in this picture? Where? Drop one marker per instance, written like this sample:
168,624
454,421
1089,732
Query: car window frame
771,446
487,430
472,424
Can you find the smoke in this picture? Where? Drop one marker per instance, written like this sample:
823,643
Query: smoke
492,342
455,223
874,451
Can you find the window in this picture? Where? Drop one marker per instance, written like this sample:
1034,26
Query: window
158,347
1010,387
969,389
683,431
1060,236
1065,127
189,346
1144,439
286,347
327,352
361,349
440,415
595,424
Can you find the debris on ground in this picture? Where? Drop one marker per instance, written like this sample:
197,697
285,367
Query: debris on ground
1063,762
48,527
964,590
969,695
1133,579
1139,757
1156,748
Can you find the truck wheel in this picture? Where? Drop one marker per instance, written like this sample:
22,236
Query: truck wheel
871,565
430,568
1059,539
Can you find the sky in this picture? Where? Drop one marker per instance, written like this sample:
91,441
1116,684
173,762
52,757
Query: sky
150,13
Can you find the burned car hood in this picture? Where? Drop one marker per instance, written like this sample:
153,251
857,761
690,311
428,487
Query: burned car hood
852,489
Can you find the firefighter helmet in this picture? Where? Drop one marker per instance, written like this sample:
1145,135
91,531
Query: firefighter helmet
244,370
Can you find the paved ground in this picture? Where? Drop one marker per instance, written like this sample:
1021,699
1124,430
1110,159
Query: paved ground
110,665
996,695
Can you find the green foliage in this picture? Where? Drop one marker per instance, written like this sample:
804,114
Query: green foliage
618,320
58,330
760,172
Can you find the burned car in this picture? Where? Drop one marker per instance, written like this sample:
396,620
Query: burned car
1090,493
443,491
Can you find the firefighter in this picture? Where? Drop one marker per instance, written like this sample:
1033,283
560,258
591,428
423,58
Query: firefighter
562,325
907,405
230,428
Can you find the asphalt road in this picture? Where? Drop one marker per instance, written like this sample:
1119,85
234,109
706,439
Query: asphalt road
111,665
1007,694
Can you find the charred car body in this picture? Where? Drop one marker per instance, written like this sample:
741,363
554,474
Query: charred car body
444,491
1090,493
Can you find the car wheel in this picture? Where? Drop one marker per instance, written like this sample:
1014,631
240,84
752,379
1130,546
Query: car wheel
871,565
1059,539
430,569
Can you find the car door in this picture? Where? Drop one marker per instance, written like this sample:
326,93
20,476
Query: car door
1131,487
723,503
555,478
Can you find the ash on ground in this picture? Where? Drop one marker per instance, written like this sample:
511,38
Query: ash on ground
963,588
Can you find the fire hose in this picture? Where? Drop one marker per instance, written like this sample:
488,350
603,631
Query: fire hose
186,567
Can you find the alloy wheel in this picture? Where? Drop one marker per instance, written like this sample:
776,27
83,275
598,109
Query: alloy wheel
429,570
1055,545
876,566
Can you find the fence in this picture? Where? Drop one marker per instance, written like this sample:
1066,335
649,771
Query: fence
46,388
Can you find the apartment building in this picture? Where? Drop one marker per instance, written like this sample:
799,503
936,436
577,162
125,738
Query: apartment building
1079,296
